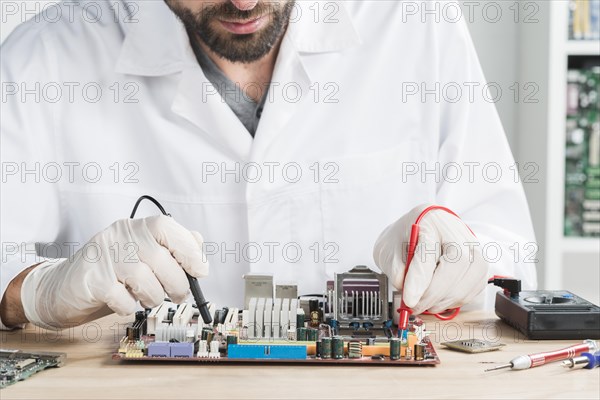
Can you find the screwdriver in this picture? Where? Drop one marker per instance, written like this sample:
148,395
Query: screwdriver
535,360
585,360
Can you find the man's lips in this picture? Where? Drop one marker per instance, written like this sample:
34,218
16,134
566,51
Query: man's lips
245,27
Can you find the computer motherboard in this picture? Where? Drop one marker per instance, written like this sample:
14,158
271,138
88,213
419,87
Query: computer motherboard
349,324
16,365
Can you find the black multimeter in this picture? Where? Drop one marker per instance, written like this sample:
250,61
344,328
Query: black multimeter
547,314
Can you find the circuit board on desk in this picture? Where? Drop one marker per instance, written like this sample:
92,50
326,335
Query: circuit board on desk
378,357
350,324
16,365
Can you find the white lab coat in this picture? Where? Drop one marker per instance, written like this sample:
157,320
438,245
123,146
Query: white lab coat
165,131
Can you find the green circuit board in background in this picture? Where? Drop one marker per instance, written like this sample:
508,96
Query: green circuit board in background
16,365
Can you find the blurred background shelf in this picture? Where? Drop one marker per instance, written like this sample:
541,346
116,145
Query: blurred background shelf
583,48
547,55
581,245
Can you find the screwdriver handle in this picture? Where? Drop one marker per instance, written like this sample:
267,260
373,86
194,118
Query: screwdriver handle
593,359
562,354
585,360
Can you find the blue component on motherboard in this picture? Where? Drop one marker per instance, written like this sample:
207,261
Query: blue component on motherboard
159,349
266,351
184,349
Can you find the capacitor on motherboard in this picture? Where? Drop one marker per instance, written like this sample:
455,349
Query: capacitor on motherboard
354,349
395,348
301,334
205,332
318,346
312,334
419,352
316,314
408,354
335,326
326,344
209,336
337,347
300,318
232,339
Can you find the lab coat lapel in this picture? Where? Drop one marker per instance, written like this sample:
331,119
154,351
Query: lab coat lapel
292,81
199,102
158,46
170,53
289,88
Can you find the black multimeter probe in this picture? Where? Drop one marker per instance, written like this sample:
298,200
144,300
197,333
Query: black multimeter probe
201,302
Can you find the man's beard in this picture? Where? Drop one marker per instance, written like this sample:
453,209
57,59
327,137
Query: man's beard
235,47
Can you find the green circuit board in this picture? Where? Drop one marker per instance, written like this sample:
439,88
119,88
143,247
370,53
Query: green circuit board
16,365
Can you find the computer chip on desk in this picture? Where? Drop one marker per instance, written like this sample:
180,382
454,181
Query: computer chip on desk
473,345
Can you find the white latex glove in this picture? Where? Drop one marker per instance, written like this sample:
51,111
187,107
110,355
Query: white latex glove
445,272
132,260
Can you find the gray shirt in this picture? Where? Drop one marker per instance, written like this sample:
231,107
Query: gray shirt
243,106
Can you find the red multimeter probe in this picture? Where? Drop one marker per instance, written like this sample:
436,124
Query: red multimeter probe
404,311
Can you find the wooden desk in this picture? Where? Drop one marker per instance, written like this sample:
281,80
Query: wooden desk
91,373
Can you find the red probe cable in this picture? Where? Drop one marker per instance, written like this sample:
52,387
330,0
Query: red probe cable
404,311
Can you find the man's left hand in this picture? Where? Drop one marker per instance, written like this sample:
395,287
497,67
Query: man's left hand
447,270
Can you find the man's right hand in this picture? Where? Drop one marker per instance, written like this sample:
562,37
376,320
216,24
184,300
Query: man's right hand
132,260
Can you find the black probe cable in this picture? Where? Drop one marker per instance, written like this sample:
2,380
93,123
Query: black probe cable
201,302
